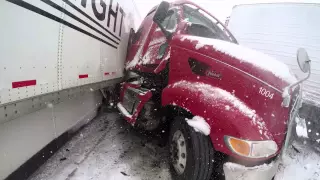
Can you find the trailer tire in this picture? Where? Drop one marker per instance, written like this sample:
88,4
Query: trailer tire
197,149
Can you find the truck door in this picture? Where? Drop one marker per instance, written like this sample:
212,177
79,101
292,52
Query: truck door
139,42
158,43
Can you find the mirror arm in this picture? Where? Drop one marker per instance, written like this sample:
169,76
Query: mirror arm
288,90
300,81
166,33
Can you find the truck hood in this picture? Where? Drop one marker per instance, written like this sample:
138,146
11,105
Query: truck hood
260,66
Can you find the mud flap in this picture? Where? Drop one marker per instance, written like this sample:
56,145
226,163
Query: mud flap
132,100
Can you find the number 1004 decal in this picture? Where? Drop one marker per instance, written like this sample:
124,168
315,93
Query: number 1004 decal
265,93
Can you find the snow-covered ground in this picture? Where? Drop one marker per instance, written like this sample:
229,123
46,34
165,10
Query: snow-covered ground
300,164
110,149
107,149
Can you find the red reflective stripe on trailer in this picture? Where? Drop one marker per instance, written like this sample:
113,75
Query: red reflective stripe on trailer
109,73
18,84
81,76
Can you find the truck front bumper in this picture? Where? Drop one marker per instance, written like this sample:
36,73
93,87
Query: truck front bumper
235,171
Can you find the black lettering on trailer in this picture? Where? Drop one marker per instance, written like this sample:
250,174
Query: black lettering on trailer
121,21
37,10
87,16
101,16
52,4
114,14
84,3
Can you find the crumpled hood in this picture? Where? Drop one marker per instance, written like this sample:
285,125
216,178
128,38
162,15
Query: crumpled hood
252,62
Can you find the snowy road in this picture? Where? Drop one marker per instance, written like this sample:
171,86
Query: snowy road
110,149
107,149
302,165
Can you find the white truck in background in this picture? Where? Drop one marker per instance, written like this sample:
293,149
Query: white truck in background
278,29
55,57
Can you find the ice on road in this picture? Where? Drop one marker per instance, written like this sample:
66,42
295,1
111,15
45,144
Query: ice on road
107,149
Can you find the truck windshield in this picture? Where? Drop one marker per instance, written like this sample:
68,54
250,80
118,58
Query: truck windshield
209,28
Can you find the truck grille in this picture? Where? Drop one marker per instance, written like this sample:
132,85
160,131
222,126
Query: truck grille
130,100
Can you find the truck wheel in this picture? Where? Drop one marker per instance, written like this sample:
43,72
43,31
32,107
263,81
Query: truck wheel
191,153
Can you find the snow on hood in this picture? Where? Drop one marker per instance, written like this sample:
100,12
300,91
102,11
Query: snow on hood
214,95
199,125
248,55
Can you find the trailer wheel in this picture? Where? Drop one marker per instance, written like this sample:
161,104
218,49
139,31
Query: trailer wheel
191,153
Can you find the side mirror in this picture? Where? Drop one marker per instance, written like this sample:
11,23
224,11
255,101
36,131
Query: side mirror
303,60
304,64
161,12
160,15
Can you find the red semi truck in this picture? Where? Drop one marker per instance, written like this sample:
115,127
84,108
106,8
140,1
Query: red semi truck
230,108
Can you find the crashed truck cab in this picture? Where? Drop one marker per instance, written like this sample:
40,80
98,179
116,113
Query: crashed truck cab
185,68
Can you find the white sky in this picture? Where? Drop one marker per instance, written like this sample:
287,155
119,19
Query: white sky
219,8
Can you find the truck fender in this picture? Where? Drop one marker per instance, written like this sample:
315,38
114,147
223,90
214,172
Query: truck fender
225,114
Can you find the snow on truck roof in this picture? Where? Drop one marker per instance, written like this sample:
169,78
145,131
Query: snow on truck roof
256,58
262,2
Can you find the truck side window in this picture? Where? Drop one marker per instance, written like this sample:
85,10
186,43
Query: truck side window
171,21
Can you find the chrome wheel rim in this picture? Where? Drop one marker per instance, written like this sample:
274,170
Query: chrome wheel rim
178,152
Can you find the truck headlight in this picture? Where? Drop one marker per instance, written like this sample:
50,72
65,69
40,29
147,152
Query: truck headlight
251,149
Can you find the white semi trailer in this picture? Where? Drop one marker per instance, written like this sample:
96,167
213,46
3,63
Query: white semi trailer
55,57
279,29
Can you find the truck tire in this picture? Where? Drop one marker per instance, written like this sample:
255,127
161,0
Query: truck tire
191,153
